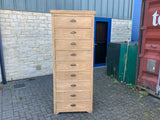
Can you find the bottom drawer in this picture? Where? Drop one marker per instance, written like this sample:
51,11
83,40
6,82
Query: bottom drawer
76,106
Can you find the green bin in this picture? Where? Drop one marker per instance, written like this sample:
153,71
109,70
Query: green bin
121,61
113,56
128,60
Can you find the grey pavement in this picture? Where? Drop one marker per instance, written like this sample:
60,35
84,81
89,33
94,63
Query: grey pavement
112,101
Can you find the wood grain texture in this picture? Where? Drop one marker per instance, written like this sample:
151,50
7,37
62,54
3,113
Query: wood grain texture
73,55
73,22
73,65
66,76
66,106
67,86
91,103
73,12
72,96
54,67
73,44
67,33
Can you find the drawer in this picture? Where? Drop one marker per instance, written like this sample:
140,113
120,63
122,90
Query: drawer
73,65
73,55
73,44
73,22
73,33
66,96
71,86
73,76
74,106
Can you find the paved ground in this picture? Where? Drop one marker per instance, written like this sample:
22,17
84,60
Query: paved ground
112,101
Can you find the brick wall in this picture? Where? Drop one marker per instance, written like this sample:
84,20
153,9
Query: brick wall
121,30
27,42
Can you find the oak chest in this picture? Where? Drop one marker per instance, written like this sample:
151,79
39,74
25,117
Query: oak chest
73,34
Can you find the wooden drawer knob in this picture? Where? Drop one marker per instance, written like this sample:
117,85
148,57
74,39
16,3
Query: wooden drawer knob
73,43
73,64
73,95
73,105
73,75
73,32
73,54
73,20
73,85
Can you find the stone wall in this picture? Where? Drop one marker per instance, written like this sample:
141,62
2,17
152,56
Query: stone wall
121,30
27,43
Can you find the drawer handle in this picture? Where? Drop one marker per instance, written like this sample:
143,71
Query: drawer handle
73,43
73,54
73,105
73,64
73,32
73,75
73,20
73,95
73,85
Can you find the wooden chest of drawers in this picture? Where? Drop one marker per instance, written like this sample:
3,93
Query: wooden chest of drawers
73,34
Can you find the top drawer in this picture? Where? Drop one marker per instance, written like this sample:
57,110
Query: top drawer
73,22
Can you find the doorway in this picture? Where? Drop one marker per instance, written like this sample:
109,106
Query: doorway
102,35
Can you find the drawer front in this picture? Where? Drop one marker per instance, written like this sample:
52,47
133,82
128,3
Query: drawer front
73,55
73,22
73,76
73,33
66,96
71,86
73,65
74,106
73,44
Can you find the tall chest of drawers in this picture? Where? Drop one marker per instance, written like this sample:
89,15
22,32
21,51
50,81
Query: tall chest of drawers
73,43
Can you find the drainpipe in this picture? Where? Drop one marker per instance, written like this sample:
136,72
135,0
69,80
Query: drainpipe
3,73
